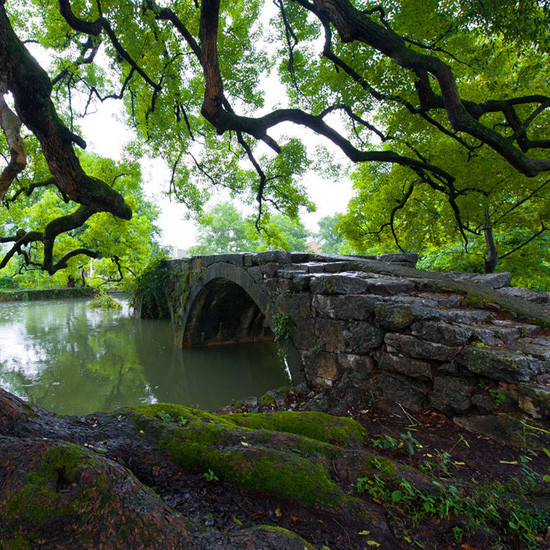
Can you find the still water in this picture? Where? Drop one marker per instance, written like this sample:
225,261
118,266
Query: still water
73,360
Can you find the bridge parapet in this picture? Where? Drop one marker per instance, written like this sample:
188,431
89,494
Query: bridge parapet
422,339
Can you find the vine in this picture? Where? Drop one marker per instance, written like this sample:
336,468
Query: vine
282,329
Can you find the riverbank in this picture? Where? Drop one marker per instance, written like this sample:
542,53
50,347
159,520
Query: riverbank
31,294
265,474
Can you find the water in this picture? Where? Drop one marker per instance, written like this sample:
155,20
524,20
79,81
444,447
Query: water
72,360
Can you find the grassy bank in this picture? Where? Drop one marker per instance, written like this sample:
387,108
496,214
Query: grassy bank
29,294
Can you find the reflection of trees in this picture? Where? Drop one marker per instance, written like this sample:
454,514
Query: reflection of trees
90,359
209,377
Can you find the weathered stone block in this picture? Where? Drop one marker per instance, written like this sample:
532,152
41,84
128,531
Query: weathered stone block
537,347
330,335
362,365
404,258
235,259
298,306
535,400
359,307
321,368
527,294
450,394
389,285
493,280
306,338
503,365
466,316
405,365
395,316
271,256
401,390
441,332
339,284
361,338
411,346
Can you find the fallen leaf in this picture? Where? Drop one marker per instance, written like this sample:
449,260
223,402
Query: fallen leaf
293,518
278,512
245,444
364,533
509,462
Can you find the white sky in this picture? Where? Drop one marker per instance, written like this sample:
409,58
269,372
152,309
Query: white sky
330,196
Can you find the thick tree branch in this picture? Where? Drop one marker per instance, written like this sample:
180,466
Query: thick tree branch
11,125
31,89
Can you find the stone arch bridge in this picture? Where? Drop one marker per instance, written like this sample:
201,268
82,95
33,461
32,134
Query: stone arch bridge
375,323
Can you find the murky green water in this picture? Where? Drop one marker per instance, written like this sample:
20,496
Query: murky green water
73,360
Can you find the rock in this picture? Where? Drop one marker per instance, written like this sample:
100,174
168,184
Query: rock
527,294
401,390
535,400
502,365
413,368
506,428
451,395
402,259
356,307
439,331
411,346
339,284
398,316
493,280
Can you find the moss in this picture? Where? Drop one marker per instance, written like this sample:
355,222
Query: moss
319,426
41,498
286,454
290,535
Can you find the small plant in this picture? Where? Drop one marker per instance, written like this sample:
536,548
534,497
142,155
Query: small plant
164,416
404,441
282,329
103,301
210,476
498,398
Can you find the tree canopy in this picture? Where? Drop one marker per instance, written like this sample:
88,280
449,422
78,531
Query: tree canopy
223,228
381,81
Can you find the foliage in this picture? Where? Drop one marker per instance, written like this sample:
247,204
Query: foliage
223,229
103,301
329,236
8,283
117,248
443,105
149,289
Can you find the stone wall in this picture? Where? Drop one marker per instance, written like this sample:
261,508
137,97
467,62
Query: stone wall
467,345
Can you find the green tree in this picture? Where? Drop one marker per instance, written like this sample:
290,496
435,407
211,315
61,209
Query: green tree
329,236
190,75
499,214
223,229
111,246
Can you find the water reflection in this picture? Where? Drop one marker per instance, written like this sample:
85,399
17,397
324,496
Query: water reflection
72,360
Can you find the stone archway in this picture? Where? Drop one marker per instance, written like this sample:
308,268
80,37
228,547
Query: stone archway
222,312
226,306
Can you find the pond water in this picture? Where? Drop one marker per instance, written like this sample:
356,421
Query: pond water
70,359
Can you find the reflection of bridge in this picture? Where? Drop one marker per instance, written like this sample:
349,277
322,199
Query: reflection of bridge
419,337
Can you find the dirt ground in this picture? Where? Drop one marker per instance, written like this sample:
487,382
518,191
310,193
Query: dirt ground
426,440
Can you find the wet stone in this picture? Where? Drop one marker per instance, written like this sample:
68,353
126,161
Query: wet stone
444,333
415,347
499,364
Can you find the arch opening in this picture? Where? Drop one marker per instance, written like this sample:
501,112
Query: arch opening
224,313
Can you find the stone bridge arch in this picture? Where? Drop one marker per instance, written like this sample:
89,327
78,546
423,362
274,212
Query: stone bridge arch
225,306
378,326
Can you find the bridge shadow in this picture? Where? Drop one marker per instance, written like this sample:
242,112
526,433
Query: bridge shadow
222,312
